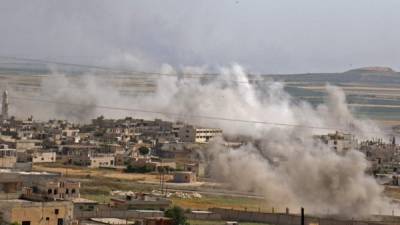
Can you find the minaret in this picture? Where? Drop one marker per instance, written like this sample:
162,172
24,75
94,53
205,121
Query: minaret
4,106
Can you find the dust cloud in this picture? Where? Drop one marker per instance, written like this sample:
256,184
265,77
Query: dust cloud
282,163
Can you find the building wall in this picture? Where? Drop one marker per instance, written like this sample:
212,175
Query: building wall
184,177
187,134
23,145
65,190
190,133
102,161
44,157
8,158
196,168
283,218
204,135
36,212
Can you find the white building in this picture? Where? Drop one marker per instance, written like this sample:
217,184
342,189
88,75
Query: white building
44,157
190,133
8,157
339,142
101,160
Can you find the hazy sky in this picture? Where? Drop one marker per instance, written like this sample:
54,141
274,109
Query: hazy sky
270,36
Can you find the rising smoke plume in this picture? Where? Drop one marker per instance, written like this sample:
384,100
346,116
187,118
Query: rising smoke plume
285,166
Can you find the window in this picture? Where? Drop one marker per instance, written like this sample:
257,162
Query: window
73,191
67,191
56,211
60,222
26,222
55,191
47,218
49,191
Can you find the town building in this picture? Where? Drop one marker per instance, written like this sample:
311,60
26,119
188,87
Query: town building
197,168
8,157
100,160
52,190
44,157
184,177
140,201
339,142
27,212
189,133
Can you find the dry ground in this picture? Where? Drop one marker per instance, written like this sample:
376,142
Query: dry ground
99,173
98,183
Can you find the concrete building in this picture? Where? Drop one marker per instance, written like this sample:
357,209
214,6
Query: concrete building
189,133
27,179
197,168
339,142
8,157
26,212
90,156
52,190
44,157
10,186
184,177
101,160
82,205
140,201
29,144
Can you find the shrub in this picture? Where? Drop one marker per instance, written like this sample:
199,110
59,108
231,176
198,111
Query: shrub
144,150
177,215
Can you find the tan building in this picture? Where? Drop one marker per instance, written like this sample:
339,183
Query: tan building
8,157
10,186
339,142
52,190
190,133
23,145
197,168
184,177
102,160
44,157
26,212
70,132
140,201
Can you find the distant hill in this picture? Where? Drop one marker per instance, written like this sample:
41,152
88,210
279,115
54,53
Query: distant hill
374,69
366,75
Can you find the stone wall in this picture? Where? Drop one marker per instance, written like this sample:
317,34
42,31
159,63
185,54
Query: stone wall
282,219
103,211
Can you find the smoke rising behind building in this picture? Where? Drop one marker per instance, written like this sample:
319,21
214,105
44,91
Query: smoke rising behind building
283,163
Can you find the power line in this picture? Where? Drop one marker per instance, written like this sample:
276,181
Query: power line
204,76
216,118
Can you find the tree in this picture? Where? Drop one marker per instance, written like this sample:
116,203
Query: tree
177,214
144,150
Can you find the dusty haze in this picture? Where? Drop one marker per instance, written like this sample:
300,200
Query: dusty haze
266,36
285,166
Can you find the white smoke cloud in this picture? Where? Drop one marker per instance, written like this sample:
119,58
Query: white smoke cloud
283,163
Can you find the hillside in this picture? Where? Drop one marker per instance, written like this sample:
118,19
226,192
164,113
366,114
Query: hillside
367,75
